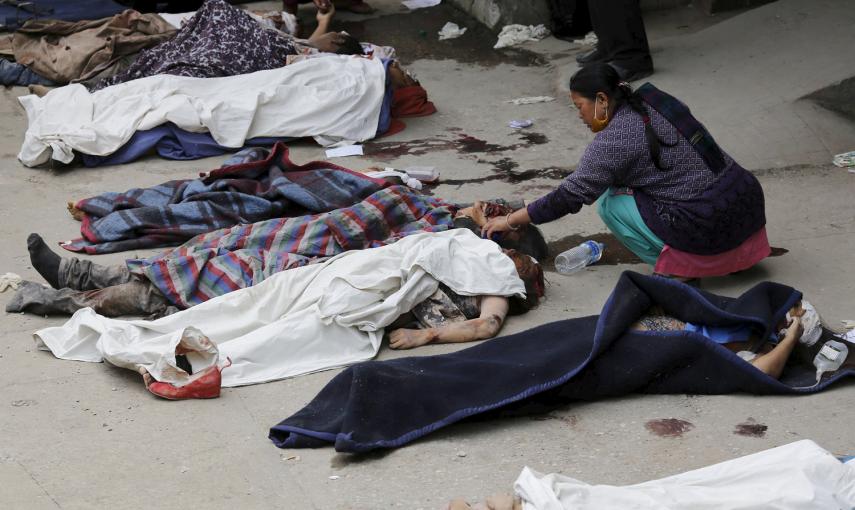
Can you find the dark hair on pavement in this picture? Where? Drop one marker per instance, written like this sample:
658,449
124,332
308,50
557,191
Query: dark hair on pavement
600,77
349,46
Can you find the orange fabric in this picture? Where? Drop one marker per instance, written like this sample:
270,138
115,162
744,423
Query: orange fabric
411,102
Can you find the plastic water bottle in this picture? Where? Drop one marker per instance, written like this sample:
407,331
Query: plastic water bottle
576,259
830,357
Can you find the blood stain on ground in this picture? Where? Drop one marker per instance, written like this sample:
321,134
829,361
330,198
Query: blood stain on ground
614,253
668,427
750,428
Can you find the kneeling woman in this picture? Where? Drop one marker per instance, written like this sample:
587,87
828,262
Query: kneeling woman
663,186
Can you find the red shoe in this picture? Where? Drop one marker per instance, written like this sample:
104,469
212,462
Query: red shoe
207,385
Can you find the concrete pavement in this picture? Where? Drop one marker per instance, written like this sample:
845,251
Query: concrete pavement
78,435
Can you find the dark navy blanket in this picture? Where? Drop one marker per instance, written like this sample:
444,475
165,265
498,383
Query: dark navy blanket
387,404
175,211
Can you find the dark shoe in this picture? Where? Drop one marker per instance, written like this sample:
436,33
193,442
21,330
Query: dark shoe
632,73
591,57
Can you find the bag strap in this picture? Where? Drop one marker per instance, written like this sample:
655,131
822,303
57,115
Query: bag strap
682,119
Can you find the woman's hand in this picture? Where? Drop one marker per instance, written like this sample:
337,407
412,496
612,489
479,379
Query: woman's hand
513,221
495,225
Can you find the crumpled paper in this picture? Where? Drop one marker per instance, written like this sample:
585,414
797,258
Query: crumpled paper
531,100
451,31
10,280
511,35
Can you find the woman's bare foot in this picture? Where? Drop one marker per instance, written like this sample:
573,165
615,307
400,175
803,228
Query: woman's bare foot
409,338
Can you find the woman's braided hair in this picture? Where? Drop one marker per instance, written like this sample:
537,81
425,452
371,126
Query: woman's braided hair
595,78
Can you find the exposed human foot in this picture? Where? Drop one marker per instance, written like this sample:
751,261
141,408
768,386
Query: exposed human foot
43,259
75,213
409,338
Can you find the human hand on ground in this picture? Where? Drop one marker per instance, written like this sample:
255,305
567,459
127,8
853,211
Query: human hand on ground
409,338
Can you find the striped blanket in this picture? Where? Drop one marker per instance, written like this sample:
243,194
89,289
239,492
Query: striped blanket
175,211
225,260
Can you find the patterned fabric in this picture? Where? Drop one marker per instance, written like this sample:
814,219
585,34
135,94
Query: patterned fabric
219,262
444,307
687,205
172,212
219,40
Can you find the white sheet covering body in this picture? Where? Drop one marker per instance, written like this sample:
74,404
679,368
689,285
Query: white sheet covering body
796,476
333,99
301,320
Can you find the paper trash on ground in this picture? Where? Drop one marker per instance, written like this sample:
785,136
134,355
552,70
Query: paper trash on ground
589,40
451,31
520,124
511,35
347,150
418,4
845,160
531,100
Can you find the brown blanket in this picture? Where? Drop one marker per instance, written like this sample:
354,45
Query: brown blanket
65,51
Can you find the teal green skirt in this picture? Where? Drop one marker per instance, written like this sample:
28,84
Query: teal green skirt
620,214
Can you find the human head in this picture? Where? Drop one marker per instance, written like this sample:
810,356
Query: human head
531,273
597,92
349,45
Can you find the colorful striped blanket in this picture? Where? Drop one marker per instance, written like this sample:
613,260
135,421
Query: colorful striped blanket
225,260
175,211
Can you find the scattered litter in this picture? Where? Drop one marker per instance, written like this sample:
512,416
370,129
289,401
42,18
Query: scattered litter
347,150
461,453
184,469
423,173
409,181
520,124
511,35
451,31
589,40
845,160
10,280
848,324
334,477
114,389
418,4
531,100
23,403
291,457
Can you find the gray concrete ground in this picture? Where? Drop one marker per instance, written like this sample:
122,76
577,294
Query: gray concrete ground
79,435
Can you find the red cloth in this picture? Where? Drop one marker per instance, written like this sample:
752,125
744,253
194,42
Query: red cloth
396,126
680,263
411,102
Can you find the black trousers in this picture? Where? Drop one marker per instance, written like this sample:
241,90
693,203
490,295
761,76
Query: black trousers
620,31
